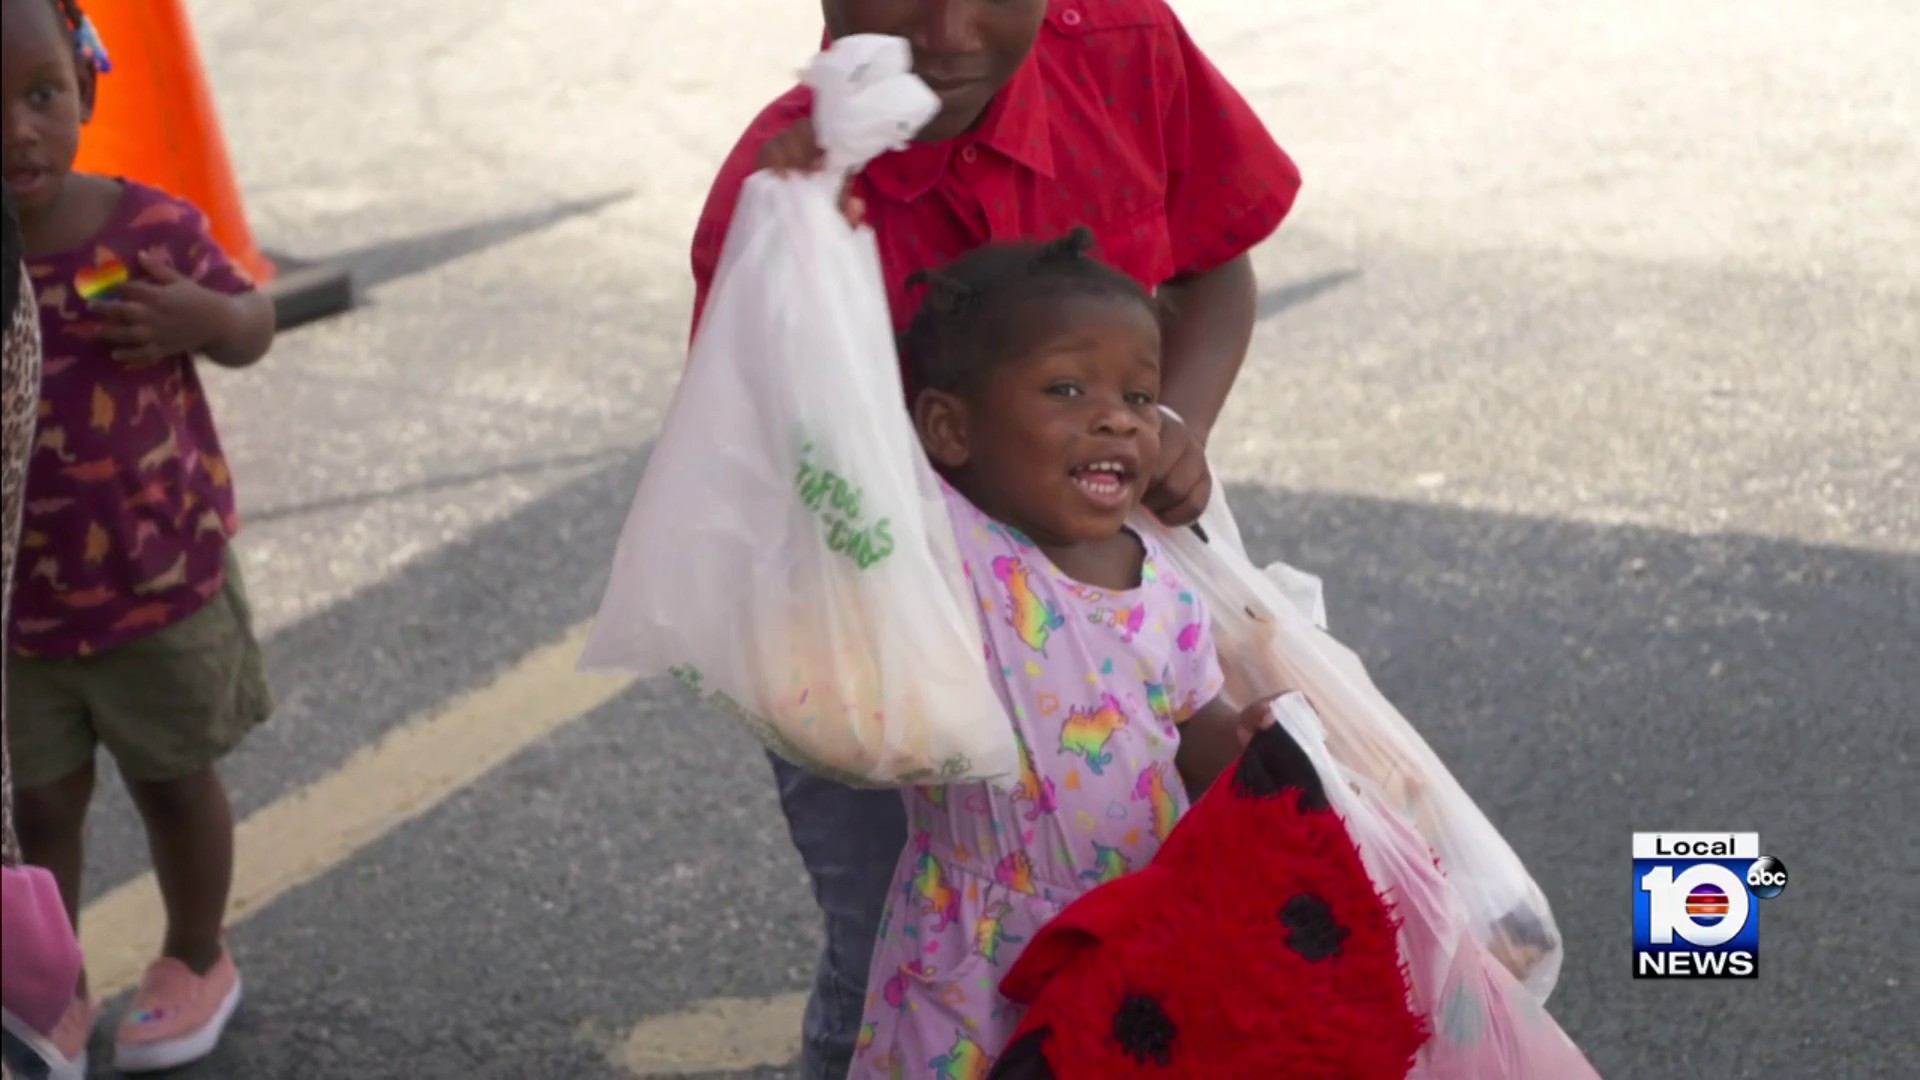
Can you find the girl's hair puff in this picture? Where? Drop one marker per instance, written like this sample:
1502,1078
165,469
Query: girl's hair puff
966,321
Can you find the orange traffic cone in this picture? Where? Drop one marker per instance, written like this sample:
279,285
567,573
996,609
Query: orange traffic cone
154,121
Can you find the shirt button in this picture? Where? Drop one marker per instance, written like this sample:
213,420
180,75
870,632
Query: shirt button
1070,17
969,155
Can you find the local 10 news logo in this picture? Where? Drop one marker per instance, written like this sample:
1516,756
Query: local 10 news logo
1696,904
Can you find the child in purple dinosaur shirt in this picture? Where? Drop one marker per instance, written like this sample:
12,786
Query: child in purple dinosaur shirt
130,626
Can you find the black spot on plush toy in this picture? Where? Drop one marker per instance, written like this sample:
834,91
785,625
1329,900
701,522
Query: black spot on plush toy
1254,946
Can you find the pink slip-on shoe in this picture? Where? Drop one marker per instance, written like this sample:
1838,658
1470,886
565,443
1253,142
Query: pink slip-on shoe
177,1017
71,1035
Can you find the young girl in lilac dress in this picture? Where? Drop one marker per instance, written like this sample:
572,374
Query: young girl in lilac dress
1038,378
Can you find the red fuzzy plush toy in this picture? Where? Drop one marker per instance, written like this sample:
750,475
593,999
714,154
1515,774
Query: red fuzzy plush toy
1254,946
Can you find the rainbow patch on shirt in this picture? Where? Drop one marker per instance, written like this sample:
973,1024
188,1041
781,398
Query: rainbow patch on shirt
100,280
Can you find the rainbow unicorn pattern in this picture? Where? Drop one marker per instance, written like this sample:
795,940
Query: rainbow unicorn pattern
1016,873
896,992
1108,863
966,1060
1033,789
1087,732
990,932
1129,621
1033,619
1159,702
929,887
1191,635
1162,805
1092,681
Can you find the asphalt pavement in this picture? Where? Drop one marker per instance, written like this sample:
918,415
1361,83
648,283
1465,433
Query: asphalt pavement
1585,377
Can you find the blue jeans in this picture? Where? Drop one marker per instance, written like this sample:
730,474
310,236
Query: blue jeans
850,840
26,1062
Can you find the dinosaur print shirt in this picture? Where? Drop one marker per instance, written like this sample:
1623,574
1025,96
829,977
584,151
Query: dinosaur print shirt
129,501
1097,682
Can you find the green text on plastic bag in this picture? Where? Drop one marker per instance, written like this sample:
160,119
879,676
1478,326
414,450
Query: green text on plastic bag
836,500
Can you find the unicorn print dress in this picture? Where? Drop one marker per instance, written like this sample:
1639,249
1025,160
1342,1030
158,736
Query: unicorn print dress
1097,682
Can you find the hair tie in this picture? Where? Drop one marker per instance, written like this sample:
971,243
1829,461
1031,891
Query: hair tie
945,287
1069,248
91,49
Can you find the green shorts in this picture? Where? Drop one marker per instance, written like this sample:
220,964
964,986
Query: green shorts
166,706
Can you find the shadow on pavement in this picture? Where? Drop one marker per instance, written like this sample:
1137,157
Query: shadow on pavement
1281,298
1583,682
406,256
436,484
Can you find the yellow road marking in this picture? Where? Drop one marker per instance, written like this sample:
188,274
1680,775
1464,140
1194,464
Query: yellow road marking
713,1036
405,774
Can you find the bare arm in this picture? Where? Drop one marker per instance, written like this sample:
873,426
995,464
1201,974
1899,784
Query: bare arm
1207,329
1211,741
1207,325
246,324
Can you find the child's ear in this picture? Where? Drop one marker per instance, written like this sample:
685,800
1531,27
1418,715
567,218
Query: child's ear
941,420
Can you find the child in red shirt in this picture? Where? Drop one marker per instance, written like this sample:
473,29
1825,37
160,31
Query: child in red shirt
1054,113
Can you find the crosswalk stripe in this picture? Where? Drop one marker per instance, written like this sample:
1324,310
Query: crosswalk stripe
408,772
712,1036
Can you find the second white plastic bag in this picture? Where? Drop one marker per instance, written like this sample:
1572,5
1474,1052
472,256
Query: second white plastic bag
1269,628
1484,1025
789,554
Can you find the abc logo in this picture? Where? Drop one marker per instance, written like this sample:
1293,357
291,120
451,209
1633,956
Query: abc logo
1767,877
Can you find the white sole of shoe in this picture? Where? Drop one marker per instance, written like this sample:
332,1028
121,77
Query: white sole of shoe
160,1056
58,1067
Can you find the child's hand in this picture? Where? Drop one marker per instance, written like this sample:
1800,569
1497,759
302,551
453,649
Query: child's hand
1285,760
794,150
797,150
1216,736
171,314
1182,484
1256,718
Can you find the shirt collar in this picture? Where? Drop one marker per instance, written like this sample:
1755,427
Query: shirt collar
1017,125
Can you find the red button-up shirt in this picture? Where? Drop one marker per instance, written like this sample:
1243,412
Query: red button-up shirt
1117,121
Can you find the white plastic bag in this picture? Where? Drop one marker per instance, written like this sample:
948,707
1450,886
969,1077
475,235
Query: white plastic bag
789,554
1269,631
1303,590
1485,1026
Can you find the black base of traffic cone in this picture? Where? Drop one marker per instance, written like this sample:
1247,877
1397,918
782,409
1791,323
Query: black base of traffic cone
305,292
